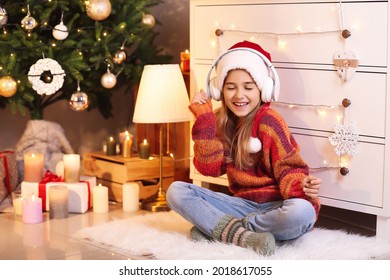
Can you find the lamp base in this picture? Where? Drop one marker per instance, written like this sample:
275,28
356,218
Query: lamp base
155,203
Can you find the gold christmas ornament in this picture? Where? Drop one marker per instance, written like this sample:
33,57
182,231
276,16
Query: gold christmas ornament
98,9
3,16
60,31
8,86
119,56
148,20
108,80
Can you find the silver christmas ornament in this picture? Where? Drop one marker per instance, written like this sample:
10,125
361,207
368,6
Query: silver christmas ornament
3,17
79,101
108,80
29,23
60,31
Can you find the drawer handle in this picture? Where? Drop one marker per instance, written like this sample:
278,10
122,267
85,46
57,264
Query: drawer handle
218,32
346,33
344,171
346,102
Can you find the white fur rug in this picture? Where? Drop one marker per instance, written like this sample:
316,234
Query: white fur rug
164,236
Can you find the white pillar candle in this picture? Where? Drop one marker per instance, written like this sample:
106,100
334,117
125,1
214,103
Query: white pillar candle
130,198
58,202
33,167
32,210
100,199
71,168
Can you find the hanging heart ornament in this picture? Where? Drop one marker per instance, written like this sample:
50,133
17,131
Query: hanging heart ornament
346,63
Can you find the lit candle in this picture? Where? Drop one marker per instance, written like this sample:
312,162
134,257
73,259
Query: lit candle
58,202
32,210
130,198
144,150
17,200
127,144
71,168
111,147
100,199
33,167
122,136
185,60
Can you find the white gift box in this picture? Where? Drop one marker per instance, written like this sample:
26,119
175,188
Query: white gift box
79,194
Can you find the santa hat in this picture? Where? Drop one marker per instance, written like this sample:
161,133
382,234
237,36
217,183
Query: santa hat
257,62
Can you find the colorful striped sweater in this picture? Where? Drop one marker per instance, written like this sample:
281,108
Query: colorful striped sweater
279,168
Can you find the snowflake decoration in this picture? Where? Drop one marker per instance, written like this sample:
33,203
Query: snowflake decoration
345,139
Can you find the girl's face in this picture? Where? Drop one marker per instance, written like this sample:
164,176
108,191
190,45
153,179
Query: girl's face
240,92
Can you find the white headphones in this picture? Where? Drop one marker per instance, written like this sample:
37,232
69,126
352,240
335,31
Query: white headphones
271,83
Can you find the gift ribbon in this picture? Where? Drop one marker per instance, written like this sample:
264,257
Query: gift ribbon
47,178
4,156
89,192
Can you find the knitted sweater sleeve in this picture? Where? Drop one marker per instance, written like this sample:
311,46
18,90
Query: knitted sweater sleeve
282,157
208,149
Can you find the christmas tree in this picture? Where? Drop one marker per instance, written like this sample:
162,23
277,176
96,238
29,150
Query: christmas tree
80,51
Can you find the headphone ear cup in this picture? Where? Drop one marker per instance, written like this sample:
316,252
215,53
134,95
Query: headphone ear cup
213,90
268,90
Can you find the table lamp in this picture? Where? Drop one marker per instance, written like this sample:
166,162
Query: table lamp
162,98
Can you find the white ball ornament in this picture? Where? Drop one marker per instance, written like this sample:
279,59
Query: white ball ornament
108,80
60,31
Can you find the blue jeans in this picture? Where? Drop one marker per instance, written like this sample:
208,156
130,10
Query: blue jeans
287,219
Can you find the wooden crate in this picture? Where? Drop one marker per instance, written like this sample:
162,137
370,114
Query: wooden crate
114,171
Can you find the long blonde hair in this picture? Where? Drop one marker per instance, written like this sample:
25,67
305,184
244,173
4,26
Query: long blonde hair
234,133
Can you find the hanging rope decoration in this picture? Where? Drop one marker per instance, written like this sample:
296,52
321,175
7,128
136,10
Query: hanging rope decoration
54,69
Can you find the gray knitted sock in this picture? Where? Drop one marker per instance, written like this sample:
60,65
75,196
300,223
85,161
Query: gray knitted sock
231,230
197,235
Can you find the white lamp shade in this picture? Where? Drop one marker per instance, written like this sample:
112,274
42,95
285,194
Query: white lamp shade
162,95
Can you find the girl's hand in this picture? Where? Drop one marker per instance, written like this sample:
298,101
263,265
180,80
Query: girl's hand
200,97
311,186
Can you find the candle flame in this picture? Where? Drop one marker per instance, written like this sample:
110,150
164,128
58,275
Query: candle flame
145,141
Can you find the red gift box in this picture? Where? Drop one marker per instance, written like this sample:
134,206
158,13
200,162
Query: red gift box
8,173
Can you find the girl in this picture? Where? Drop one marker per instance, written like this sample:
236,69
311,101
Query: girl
273,196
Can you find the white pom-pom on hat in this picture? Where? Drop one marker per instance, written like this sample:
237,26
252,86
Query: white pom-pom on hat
255,144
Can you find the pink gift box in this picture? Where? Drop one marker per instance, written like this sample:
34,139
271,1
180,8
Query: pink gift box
79,196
